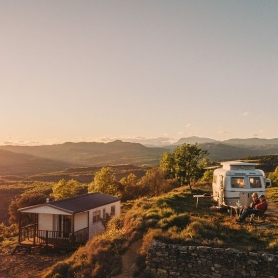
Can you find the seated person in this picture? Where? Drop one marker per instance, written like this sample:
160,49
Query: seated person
255,201
259,209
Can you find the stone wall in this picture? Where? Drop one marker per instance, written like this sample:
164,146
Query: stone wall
168,260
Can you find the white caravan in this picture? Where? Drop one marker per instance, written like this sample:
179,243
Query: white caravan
236,181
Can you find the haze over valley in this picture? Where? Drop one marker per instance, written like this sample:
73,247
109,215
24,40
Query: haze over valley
31,160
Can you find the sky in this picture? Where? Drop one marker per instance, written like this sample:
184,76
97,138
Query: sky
97,71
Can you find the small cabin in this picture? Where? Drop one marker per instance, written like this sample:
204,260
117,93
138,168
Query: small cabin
66,222
235,181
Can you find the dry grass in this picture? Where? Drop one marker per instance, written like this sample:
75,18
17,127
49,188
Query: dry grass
171,218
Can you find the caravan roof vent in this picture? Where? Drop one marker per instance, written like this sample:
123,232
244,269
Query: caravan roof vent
238,165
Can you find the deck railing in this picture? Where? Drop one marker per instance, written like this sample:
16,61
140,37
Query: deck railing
30,235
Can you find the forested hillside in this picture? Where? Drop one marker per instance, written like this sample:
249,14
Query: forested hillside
221,151
22,164
25,160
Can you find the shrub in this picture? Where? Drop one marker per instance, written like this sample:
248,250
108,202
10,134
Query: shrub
180,221
8,231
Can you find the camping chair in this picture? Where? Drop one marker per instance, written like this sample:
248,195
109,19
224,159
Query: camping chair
258,216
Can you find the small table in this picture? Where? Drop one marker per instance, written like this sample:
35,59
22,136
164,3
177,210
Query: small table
201,196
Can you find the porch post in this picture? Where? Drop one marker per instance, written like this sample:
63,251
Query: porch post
72,224
46,238
34,230
88,225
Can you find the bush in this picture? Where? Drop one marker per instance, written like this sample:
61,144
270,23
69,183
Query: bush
8,231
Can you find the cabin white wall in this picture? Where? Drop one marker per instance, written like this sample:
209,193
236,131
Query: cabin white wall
80,221
45,222
117,209
97,227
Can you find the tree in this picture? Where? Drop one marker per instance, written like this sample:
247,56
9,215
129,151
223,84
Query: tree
155,181
185,163
105,182
66,189
207,176
26,199
167,163
274,177
129,187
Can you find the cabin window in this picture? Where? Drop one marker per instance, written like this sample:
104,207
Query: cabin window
113,210
238,182
255,182
96,216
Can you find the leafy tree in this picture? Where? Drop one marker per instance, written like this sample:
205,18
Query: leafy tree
207,176
274,177
129,187
185,163
26,199
155,181
131,179
66,189
104,182
167,163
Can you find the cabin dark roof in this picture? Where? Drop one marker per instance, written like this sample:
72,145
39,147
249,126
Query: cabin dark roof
83,202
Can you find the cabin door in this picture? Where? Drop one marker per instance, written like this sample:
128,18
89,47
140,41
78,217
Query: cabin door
62,224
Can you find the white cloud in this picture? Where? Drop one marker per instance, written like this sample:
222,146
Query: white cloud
164,139
224,132
21,143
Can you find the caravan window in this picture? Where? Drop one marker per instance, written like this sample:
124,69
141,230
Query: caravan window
238,182
255,182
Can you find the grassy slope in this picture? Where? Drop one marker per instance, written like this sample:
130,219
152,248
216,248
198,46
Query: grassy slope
171,218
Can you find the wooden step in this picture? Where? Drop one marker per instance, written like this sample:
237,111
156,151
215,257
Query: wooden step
22,250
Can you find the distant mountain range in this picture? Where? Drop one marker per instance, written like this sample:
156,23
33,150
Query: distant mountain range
164,141
194,139
30,160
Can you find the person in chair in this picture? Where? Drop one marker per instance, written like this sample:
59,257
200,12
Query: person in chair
255,201
258,209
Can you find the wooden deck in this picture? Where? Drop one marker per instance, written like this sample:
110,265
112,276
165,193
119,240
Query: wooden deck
29,235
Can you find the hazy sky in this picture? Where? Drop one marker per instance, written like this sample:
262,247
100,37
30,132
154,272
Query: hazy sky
101,70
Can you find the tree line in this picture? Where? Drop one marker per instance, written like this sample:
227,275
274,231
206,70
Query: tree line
184,165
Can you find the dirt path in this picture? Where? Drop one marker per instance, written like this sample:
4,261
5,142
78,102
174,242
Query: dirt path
129,260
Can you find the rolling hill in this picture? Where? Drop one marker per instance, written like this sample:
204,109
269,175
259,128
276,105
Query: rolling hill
24,160
31,160
21,164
